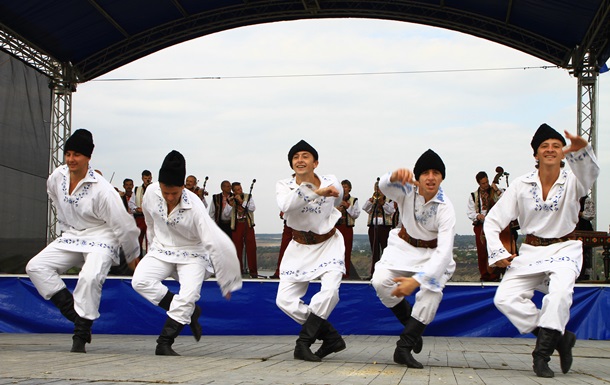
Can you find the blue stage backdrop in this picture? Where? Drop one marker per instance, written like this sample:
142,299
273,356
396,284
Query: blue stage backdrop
466,310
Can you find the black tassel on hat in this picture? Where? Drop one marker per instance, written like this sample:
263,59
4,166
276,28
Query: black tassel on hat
80,141
545,132
301,146
173,169
429,160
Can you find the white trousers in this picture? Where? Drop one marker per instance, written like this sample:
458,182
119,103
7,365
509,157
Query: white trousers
514,299
289,296
44,270
426,301
151,271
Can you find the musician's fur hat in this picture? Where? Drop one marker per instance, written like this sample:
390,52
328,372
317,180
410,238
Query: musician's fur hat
545,132
301,146
429,160
173,169
80,141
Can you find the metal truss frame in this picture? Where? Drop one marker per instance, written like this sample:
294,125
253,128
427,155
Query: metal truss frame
587,111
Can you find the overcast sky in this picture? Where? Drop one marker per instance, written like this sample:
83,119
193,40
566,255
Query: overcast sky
240,123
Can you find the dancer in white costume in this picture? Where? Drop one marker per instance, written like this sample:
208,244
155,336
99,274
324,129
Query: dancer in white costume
95,227
546,203
317,250
419,252
186,244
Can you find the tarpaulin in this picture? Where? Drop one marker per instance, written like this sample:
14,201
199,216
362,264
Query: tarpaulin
466,310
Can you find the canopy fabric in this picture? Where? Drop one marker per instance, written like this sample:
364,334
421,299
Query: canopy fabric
97,36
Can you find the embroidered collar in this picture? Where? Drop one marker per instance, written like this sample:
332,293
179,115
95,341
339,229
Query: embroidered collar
82,188
533,177
324,182
185,201
90,176
438,198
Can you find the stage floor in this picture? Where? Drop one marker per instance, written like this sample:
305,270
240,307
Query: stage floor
130,360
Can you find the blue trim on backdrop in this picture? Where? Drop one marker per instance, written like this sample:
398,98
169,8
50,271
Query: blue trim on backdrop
466,310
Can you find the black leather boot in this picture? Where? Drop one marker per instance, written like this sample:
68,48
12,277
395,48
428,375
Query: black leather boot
545,345
194,325
166,301
408,339
307,336
82,334
564,348
402,311
332,342
170,331
64,301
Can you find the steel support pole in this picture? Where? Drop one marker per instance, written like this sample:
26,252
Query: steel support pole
61,127
587,113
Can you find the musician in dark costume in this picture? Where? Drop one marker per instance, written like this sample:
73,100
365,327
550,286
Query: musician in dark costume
350,211
479,204
242,227
381,213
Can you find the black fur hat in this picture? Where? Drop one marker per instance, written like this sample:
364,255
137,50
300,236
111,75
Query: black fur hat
301,146
429,160
80,141
545,132
173,169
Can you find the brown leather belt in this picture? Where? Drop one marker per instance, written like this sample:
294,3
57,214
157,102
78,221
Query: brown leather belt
533,240
431,244
310,238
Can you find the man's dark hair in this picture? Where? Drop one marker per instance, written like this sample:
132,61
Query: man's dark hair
481,175
347,182
127,180
235,184
146,173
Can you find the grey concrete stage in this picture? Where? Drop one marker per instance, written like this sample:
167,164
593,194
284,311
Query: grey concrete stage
129,359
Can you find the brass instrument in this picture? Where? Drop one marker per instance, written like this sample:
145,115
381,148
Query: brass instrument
377,194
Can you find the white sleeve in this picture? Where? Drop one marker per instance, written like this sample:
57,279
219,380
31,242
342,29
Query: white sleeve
471,210
583,164
251,205
354,210
431,273
496,220
367,207
290,200
122,224
221,251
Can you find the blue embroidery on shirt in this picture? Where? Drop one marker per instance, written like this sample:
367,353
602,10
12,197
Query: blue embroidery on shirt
440,195
323,265
541,205
180,253
572,158
178,216
426,214
86,243
73,200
